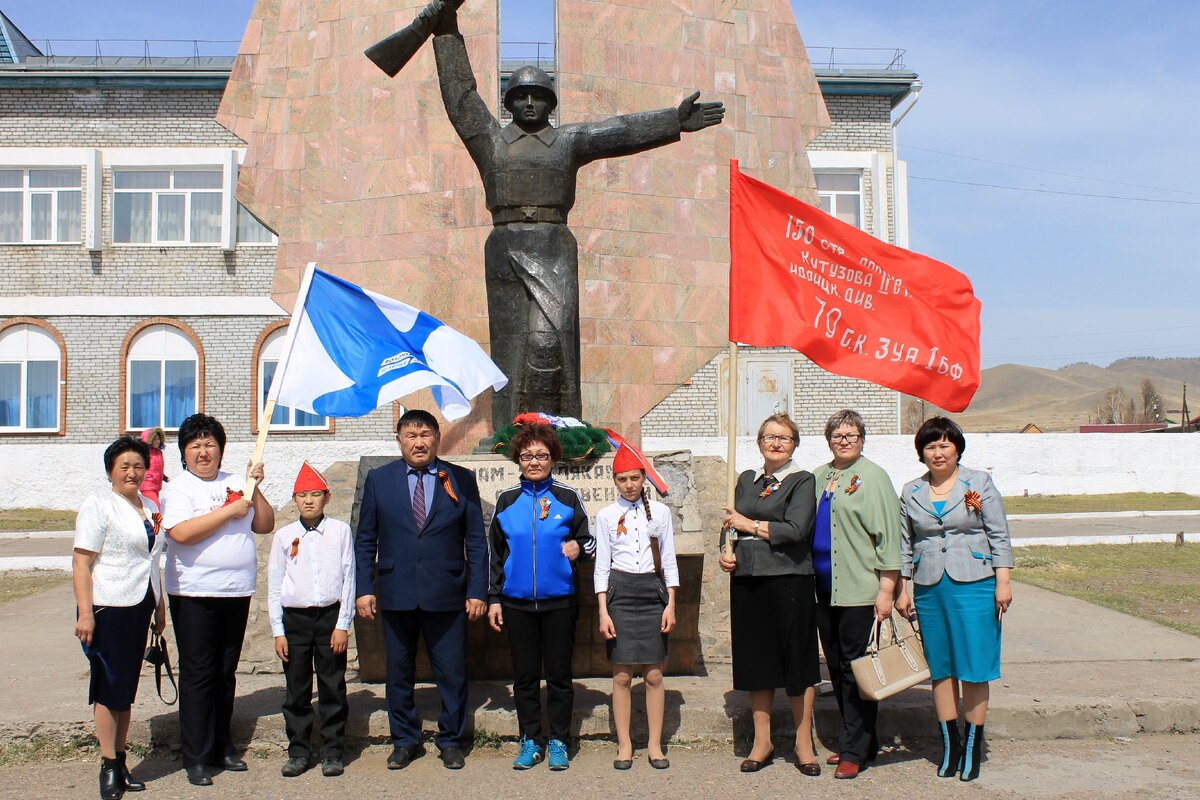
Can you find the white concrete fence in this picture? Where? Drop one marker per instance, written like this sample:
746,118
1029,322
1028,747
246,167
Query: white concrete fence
60,476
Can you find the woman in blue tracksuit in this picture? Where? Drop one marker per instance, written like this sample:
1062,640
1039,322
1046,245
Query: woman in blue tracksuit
538,531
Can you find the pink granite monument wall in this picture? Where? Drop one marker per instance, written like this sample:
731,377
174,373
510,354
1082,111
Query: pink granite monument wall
365,175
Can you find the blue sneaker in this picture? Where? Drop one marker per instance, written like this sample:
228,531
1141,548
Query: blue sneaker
558,755
530,755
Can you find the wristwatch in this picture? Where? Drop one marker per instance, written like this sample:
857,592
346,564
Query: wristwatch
756,524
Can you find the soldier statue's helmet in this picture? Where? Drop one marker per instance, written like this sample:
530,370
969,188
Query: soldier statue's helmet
529,77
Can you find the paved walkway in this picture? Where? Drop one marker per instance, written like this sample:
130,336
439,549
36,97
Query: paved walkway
1071,670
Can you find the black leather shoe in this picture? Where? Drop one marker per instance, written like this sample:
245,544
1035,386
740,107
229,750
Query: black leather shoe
452,757
111,784
332,766
132,784
198,775
659,763
401,757
231,763
294,767
752,765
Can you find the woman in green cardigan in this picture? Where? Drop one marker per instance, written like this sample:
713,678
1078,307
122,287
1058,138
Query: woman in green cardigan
856,558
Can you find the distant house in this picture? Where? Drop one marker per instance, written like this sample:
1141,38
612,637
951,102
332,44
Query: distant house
1031,428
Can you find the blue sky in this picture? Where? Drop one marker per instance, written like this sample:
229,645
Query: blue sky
1100,102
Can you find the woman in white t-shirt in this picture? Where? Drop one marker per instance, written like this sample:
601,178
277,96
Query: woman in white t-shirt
116,580
210,573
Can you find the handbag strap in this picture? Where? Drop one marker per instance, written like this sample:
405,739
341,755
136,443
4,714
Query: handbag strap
161,644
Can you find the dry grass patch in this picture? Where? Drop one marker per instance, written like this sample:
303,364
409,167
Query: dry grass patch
1158,582
36,519
16,585
1126,501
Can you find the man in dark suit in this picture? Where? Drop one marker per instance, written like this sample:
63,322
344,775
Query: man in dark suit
421,516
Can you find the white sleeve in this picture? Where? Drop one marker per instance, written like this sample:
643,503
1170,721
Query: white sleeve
603,554
666,549
275,572
177,505
91,525
346,613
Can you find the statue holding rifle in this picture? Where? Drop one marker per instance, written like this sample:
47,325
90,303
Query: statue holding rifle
529,171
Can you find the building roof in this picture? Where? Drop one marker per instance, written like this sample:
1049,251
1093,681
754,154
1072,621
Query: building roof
894,84
15,47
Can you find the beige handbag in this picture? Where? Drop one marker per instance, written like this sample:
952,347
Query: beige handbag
890,667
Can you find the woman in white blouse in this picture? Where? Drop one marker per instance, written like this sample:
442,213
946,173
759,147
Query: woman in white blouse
210,574
116,579
635,581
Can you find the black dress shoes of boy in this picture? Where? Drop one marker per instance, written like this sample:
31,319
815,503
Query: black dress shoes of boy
231,763
199,775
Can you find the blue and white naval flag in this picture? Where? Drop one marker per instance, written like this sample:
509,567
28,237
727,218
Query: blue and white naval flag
349,350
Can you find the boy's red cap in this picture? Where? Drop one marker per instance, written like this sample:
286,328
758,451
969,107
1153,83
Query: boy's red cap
626,460
309,480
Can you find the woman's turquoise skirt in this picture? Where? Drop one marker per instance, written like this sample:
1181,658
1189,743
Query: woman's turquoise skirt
960,629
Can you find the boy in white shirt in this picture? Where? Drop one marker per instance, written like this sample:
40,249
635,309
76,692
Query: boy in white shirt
310,594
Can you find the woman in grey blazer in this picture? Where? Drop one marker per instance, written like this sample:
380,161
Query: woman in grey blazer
956,552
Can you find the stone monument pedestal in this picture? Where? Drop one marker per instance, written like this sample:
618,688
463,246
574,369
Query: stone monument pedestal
488,655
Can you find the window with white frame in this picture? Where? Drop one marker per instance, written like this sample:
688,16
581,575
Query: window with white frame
30,367
180,206
250,230
41,206
161,378
284,417
840,194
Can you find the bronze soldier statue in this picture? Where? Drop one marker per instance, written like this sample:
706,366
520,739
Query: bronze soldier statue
529,168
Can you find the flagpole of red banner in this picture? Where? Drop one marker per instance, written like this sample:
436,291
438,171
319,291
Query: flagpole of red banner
731,445
268,410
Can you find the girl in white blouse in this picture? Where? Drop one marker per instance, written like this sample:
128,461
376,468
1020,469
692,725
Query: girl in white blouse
635,581
116,580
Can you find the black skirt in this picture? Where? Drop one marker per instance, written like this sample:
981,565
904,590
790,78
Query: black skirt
635,603
774,631
115,654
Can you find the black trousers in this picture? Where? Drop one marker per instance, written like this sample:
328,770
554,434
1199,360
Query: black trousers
208,634
445,635
542,643
844,632
308,631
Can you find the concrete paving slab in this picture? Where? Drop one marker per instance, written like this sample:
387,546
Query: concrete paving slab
1071,670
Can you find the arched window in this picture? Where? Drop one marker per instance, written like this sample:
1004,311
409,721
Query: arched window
285,417
30,372
161,378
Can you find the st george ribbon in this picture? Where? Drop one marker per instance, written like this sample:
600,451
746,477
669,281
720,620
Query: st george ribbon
855,305
349,350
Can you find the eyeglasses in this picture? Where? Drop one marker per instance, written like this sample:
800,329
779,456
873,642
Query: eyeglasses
529,457
774,437
848,438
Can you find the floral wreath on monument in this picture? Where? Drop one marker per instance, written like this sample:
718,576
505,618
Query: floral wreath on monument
580,440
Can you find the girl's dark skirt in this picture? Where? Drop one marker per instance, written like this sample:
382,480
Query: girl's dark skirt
636,603
773,624
115,654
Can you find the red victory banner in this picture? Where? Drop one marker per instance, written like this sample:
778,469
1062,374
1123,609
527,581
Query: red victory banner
855,305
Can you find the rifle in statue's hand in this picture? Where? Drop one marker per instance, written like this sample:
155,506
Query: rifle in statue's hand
392,53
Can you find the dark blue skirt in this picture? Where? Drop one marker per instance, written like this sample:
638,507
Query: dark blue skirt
115,654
